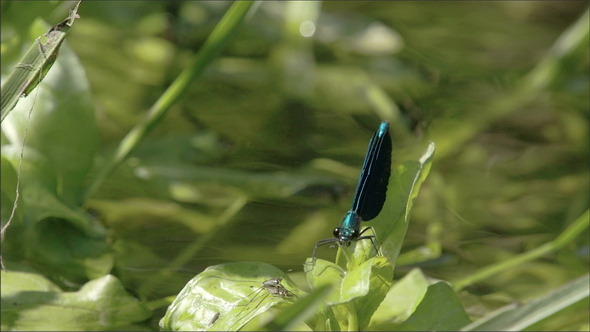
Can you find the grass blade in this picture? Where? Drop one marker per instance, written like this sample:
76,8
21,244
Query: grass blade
289,318
210,49
517,318
35,64
568,235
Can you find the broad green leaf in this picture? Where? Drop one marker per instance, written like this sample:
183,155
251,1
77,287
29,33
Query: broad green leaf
366,285
31,302
518,317
391,224
61,142
439,310
35,167
321,273
401,300
357,282
35,64
62,127
226,297
380,280
62,240
19,277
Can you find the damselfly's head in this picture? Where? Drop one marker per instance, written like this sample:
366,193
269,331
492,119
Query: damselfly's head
345,235
349,230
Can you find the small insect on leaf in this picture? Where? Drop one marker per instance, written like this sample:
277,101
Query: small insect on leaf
270,287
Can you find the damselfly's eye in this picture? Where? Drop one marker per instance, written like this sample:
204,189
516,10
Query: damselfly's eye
336,232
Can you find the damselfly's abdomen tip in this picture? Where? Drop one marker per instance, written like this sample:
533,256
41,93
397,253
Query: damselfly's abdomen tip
383,128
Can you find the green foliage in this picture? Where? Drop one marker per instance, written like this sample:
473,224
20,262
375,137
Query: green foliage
518,317
35,64
357,289
31,302
228,291
439,310
170,137
51,230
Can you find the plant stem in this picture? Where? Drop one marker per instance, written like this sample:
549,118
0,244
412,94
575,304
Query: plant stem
353,324
208,52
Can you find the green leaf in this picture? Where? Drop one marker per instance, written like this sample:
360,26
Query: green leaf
391,224
63,241
61,143
225,297
356,282
31,302
401,300
35,167
439,310
366,285
380,280
19,277
321,273
518,317
35,64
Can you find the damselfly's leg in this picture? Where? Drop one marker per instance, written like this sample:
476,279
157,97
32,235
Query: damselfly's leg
373,239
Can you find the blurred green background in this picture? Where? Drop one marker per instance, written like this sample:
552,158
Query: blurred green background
260,157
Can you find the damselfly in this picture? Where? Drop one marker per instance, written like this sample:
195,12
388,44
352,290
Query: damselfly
370,192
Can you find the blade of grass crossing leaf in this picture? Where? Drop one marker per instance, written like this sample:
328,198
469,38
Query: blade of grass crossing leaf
573,38
289,318
521,317
567,236
210,49
35,64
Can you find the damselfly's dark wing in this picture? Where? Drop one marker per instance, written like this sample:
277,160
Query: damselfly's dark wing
372,186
